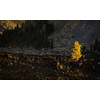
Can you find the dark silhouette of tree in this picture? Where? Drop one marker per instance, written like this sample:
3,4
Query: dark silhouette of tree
91,48
49,28
32,36
51,43
84,48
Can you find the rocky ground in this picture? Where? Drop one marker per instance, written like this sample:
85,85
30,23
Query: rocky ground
29,63
49,67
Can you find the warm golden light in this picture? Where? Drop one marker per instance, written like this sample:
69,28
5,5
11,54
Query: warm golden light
76,51
1,33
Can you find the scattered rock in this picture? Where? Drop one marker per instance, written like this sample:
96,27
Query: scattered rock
80,64
61,67
58,65
98,62
20,66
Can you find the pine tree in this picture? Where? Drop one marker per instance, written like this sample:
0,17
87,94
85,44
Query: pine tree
96,42
49,28
51,43
17,26
98,46
84,48
26,29
31,29
94,47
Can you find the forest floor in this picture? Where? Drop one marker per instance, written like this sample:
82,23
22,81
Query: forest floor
34,67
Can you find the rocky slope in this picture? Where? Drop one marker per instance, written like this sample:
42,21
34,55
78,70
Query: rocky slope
65,34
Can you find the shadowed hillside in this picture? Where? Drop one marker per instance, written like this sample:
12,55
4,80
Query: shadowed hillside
59,35
31,33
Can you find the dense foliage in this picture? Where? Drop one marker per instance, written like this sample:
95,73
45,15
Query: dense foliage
93,47
76,51
96,46
32,36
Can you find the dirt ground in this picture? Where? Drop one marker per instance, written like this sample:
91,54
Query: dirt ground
33,67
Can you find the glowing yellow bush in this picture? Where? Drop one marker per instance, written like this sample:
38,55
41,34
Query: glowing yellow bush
76,51
11,23
1,33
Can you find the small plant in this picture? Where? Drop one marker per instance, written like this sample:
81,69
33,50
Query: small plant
76,51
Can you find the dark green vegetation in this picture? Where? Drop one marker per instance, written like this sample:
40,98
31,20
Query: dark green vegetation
94,47
84,48
33,35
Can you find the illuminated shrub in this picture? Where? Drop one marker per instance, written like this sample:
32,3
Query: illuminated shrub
76,51
1,33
